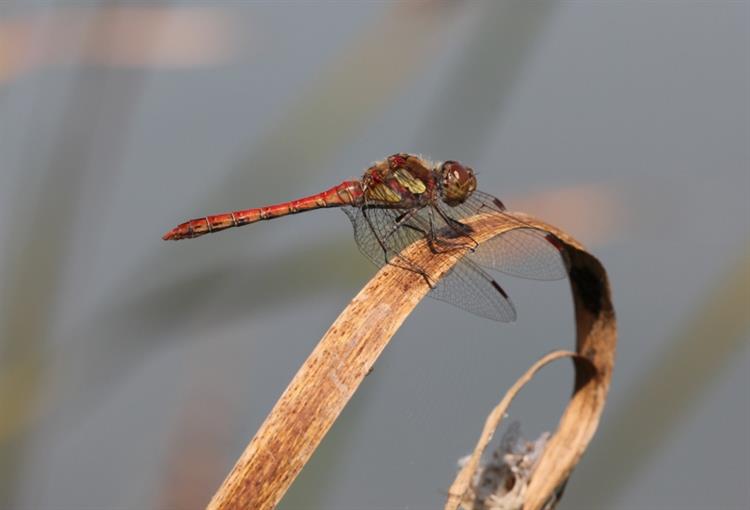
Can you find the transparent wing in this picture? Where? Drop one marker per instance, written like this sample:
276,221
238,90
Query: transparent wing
381,234
468,287
523,252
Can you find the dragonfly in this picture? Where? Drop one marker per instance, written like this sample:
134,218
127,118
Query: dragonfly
406,198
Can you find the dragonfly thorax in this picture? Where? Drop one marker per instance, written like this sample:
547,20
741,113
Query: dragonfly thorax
457,183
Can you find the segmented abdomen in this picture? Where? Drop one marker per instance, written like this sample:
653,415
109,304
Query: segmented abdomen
346,193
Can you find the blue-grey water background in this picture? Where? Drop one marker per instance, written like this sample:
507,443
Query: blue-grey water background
133,372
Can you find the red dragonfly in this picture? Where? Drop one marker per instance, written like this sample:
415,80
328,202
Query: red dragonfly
405,198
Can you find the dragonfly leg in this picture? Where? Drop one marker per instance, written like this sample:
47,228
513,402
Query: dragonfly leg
410,266
431,238
460,229
400,221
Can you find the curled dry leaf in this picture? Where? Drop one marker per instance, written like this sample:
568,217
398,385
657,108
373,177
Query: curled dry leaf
510,487
343,357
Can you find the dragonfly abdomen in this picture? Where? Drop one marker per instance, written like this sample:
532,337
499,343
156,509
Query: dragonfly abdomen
346,193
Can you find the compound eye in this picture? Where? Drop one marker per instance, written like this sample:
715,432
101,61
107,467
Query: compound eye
455,173
458,182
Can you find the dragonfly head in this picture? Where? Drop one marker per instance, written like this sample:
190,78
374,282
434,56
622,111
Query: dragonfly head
457,183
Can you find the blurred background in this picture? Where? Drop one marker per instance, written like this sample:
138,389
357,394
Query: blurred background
133,372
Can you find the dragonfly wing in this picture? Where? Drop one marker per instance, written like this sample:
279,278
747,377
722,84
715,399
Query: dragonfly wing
468,287
382,233
525,252
478,203
363,235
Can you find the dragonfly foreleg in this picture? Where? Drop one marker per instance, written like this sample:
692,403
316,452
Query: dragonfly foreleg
428,238
460,229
